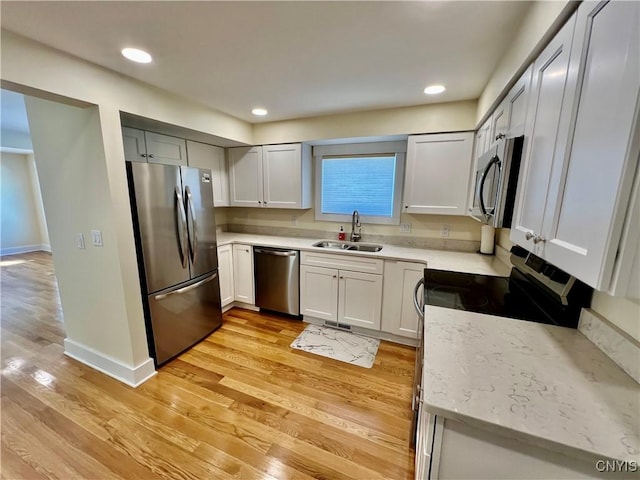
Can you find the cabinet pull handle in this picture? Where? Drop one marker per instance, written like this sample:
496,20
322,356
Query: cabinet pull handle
537,239
528,235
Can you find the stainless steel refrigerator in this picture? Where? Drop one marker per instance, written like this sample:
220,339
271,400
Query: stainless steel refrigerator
175,230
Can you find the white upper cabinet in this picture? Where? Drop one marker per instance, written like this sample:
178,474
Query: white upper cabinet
271,176
589,195
245,176
202,155
515,106
437,173
544,134
482,142
165,149
583,143
134,146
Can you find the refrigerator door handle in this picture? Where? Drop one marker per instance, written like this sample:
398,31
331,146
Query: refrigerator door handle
162,296
181,220
193,233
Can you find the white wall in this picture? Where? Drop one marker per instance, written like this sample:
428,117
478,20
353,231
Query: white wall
540,23
434,118
22,227
101,288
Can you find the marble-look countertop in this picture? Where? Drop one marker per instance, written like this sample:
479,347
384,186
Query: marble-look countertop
435,259
542,384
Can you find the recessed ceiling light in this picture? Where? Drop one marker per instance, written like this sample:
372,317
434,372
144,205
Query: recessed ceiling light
136,55
434,89
259,111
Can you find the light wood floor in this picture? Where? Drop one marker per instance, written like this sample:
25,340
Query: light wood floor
241,404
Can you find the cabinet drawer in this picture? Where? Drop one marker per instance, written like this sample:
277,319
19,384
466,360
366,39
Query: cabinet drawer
343,262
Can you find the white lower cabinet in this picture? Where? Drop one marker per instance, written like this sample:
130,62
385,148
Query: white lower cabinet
225,274
448,449
398,313
349,297
243,283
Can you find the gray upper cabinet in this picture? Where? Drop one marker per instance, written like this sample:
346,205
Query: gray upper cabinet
135,149
165,149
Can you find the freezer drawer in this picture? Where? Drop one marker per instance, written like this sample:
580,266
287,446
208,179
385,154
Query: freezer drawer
277,277
182,316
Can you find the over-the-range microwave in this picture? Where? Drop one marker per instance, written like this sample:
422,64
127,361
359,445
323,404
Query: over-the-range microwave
496,180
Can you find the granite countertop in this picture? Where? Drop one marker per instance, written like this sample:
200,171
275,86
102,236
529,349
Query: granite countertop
542,384
435,259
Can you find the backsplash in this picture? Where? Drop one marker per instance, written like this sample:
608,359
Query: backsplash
616,344
464,233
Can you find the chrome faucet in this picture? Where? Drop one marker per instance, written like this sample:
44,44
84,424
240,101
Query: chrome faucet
355,223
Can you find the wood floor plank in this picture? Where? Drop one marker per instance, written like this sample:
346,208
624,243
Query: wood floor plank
241,404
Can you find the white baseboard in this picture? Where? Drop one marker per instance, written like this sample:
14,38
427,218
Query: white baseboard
132,376
25,249
245,306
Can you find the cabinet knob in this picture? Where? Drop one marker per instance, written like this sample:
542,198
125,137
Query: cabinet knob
341,277
500,136
406,206
537,239
151,155
260,202
143,155
528,235
334,276
265,202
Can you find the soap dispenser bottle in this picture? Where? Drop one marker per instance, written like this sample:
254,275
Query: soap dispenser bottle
341,234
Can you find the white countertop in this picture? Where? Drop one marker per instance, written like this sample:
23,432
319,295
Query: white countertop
543,384
434,259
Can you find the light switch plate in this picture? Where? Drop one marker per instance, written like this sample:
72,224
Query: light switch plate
96,236
80,241
405,228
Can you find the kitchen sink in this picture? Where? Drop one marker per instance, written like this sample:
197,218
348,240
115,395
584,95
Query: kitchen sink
358,247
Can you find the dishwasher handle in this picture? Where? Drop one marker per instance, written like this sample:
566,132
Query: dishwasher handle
288,253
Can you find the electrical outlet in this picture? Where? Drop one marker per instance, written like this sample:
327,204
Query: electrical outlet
80,241
445,230
405,227
96,236
294,220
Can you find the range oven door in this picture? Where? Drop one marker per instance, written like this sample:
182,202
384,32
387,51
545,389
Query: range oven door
488,180
418,294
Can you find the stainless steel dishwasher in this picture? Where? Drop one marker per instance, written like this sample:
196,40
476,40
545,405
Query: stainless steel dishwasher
277,277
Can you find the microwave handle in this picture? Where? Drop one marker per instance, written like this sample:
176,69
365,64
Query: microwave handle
496,160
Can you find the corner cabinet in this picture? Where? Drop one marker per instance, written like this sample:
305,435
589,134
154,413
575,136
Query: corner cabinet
202,155
438,172
243,283
225,273
343,289
582,155
271,176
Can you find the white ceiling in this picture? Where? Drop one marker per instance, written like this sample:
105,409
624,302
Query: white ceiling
297,59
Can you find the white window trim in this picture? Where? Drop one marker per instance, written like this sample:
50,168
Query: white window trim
398,149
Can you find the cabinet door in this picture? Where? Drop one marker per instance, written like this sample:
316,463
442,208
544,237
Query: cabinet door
134,147
319,292
543,135
165,149
398,313
202,155
245,176
225,273
282,176
482,139
243,274
592,178
438,170
499,121
360,299
516,104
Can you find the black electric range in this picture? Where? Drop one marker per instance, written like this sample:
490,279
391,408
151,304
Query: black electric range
535,291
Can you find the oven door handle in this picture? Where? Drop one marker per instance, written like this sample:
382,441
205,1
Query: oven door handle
416,300
494,160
